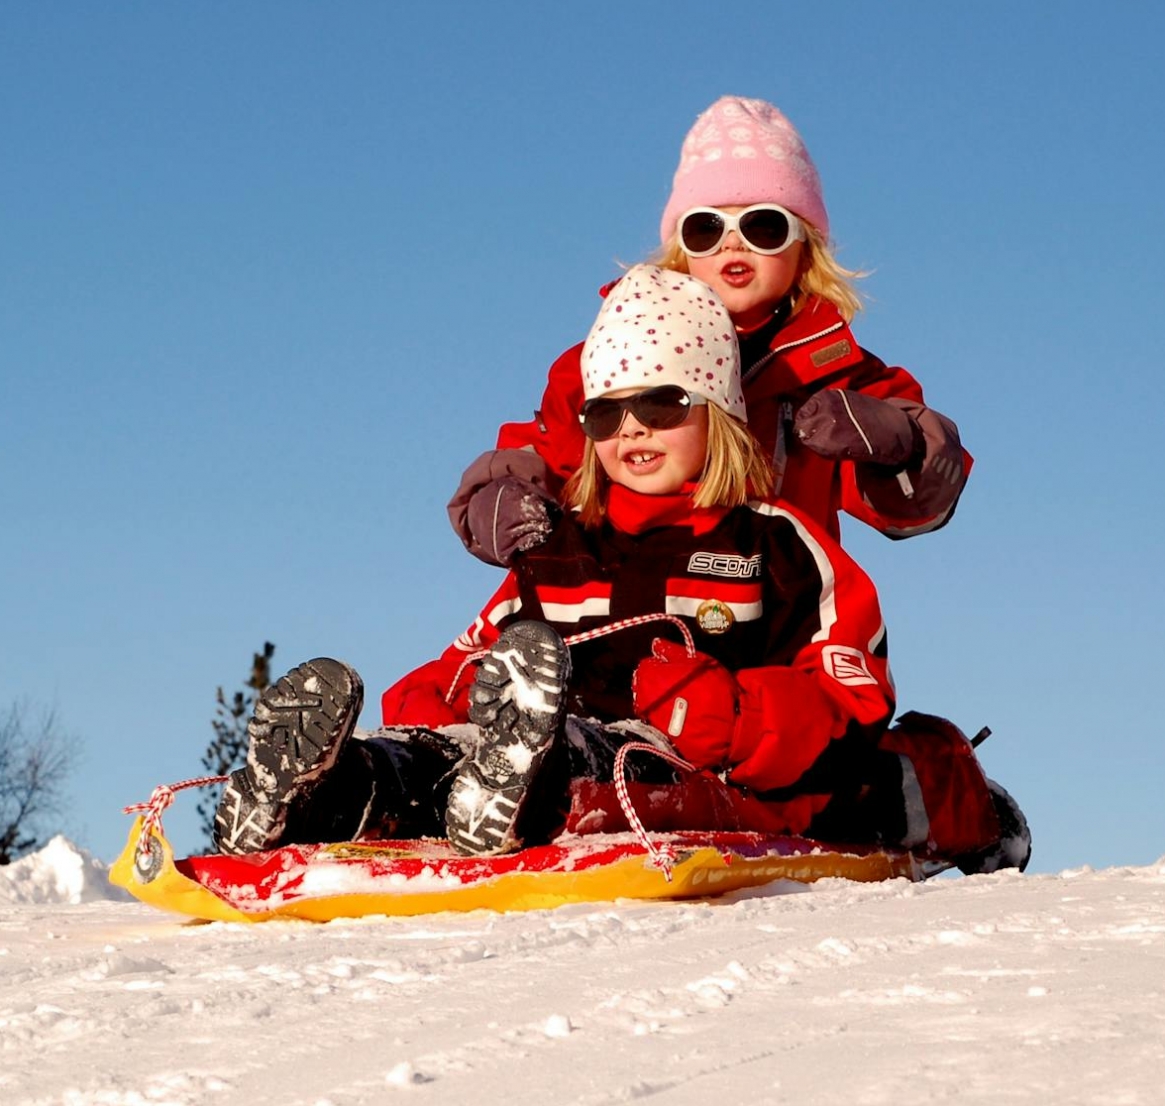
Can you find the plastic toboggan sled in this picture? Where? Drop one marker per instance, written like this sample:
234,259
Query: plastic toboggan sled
324,882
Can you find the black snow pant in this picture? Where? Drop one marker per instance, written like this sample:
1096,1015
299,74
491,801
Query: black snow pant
395,782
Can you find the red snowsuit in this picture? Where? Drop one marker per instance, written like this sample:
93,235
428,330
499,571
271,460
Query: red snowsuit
792,616
814,350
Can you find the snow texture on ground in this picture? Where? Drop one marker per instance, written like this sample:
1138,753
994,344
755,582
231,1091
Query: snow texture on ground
994,989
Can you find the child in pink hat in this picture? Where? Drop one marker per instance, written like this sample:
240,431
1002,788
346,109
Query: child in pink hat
843,430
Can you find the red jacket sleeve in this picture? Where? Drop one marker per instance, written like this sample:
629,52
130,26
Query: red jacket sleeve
437,693
838,676
554,432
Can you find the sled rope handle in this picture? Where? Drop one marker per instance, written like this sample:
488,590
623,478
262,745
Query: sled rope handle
588,635
161,797
637,620
664,856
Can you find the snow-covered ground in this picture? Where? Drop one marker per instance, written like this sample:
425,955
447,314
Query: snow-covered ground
998,989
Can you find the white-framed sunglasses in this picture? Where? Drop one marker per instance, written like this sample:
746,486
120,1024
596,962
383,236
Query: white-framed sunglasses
764,228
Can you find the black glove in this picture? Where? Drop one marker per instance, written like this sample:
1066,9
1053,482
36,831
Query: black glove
850,426
510,515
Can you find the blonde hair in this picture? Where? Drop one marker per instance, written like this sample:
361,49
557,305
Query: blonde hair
736,469
821,274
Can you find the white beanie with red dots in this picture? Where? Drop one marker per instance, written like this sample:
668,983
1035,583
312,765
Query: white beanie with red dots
661,327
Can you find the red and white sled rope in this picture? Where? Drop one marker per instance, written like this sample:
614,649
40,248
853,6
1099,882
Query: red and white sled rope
161,798
663,857
637,620
589,635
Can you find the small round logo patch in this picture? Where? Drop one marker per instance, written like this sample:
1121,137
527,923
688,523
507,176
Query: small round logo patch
713,617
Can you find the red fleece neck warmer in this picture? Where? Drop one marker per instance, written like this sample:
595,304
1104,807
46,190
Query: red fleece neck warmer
634,513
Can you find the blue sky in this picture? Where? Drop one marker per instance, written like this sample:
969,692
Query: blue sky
272,274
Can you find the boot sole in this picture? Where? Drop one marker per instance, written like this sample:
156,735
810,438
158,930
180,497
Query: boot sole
244,822
299,726
1017,837
518,700
1014,848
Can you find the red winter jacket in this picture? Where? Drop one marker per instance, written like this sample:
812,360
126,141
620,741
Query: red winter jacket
763,590
815,349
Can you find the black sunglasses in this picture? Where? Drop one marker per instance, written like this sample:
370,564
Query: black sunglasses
656,408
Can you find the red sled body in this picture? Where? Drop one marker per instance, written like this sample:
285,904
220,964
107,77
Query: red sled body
356,879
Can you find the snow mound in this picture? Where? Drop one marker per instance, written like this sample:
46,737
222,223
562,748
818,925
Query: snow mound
61,872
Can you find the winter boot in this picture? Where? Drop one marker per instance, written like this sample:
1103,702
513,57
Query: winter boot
1014,848
297,733
517,700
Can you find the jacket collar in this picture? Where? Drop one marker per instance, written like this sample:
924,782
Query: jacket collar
816,343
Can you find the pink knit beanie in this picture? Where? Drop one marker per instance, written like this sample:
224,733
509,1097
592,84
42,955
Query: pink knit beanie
744,152
661,327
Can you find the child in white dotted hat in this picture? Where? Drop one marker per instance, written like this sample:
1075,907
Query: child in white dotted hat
782,701
672,608
844,431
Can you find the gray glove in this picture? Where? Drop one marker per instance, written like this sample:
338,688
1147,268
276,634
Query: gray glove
510,515
850,426
503,505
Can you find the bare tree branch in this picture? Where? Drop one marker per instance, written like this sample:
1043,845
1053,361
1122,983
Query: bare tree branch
36,758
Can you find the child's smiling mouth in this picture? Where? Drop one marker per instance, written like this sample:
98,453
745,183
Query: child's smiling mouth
643,461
